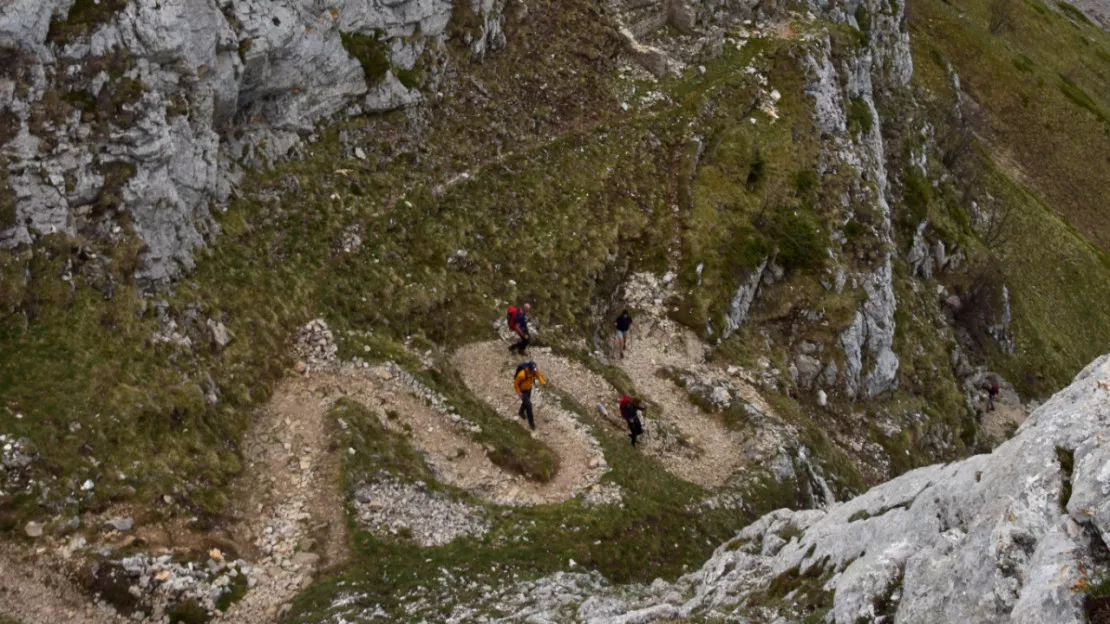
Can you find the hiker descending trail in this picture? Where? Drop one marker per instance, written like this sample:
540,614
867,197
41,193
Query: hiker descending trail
630,408
488,371
518,324
660,344
690,443
527,375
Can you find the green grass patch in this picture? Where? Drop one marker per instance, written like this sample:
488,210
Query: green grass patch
84,17
863,20
1079,97
371,53
1024,63
1074,13
8,215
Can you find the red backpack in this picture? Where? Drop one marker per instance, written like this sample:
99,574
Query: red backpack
512,317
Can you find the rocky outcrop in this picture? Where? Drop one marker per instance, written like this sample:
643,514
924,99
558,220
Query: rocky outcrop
993,538
835,86
135,117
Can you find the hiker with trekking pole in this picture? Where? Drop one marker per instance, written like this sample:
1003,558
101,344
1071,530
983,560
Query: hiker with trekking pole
527,374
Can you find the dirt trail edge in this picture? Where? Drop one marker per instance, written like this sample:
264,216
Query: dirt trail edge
33,593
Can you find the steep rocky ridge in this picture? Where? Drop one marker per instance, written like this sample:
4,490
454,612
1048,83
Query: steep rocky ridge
1013,536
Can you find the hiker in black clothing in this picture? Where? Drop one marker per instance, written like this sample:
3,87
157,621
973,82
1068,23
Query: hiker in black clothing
629,408
519,324
624,323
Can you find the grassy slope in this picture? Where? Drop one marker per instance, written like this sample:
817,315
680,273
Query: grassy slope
1020,77
1044,155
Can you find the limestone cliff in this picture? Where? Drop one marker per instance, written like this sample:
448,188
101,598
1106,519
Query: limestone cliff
122,118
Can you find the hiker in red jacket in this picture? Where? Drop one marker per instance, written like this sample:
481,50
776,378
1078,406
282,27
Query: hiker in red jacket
991,386
630,406
518,322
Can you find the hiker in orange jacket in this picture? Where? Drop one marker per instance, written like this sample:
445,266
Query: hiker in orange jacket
527,374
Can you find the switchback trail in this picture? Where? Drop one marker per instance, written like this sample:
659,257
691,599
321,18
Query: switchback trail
488,371
691,444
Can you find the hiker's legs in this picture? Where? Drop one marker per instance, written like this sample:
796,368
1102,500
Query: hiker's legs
525,400
635,429
526,407
521,344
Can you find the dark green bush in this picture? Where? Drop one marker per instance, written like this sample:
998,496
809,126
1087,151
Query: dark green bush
916,193
370,52
805,181
859,116
853,229
863,18
800,241
83,18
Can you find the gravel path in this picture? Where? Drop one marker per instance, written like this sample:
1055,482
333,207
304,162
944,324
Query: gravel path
290,499
488,369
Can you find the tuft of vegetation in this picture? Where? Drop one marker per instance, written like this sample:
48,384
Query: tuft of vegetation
236,590
916,193
1074,13
798,238
188,612
853,229
805,181
84,17
803,591
371,53
8,215
1066,459
863,20
860,119
1024,63
1079,97
1096,602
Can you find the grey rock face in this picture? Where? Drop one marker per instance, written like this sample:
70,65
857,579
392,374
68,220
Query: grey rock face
197,90
120,524
980,540
742,302
870,365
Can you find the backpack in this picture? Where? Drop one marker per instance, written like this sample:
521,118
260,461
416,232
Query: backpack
512,317
524,366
